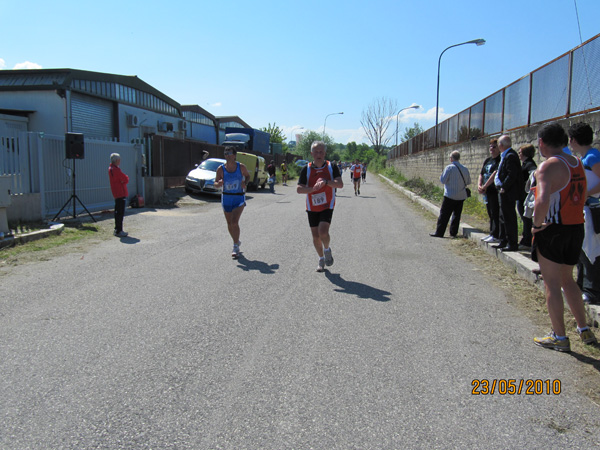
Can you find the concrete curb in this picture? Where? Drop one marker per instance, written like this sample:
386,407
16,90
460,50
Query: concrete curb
53,230
522,265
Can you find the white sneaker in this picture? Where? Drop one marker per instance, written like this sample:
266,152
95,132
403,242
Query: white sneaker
485,239
493,240
321,266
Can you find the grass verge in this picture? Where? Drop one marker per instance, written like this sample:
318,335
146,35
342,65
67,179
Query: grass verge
40,250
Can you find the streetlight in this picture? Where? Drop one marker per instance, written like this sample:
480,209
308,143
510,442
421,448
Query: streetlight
325,124
477,42
398,113
292,131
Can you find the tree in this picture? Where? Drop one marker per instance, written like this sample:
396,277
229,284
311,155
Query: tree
277,136
376,120
411,132
308,137
276,133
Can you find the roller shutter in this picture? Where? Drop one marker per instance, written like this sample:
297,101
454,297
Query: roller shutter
92,116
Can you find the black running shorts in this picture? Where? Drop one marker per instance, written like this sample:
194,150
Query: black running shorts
316,217
560,244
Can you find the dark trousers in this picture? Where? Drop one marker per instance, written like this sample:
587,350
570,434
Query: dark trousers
509,228
588,277
449,208
493,209
119,213
527,223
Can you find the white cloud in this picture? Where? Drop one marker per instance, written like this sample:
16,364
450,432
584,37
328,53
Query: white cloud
216,105
429,115
349,135
27,65
2,64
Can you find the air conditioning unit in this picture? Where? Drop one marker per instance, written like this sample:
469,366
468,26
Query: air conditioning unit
133,121
183,125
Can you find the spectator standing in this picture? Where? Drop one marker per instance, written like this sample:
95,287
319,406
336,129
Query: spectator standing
581,137
284,173
455,179
272,177
487,188
508,182
118,187
558,235
528,166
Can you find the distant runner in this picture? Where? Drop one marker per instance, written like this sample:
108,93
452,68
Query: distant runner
355,170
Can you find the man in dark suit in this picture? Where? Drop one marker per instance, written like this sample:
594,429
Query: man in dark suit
508,182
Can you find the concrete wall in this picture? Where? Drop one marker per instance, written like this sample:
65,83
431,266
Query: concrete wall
24,208
428,165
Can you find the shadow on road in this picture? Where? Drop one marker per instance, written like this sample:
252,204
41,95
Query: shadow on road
262,267
595,363
359,289
129,240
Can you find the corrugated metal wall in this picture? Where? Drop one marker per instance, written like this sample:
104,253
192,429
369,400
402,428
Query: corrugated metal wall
92,116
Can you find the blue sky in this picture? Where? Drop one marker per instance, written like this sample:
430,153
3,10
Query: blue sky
294,62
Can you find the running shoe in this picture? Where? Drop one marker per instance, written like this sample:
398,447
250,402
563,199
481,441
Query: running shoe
587,337
328,257
321,266
552,342
359,192
121,234
236,250
485,239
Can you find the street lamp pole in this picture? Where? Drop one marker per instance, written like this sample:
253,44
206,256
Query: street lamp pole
477,42
325,123
398,113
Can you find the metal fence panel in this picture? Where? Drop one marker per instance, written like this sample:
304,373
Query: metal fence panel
493,113
463,125
92,185
585,82
549,90
516,104
476,123
452,130
443,133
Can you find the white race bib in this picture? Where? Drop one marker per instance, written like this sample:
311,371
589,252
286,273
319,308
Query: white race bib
319,199
232,187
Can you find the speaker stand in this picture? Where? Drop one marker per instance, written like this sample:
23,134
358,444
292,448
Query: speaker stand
73,199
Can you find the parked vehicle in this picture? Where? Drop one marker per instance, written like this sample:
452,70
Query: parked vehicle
248,139
256,168
301,162
202,178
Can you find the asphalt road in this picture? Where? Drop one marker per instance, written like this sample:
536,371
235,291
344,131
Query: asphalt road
162,341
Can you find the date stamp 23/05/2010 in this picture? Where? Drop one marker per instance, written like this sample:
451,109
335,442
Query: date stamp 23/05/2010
515,387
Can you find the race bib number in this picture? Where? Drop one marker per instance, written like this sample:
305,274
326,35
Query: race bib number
319,199
231,187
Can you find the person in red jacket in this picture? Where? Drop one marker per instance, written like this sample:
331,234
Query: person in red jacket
118,186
